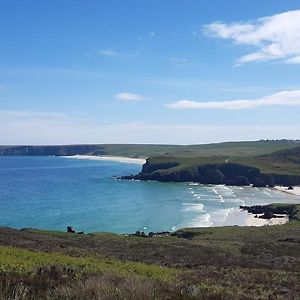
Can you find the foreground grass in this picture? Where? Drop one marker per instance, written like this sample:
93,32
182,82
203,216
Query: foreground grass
36,275
20,261
28,274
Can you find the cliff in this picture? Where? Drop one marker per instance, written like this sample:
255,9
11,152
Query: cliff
278,168
51,150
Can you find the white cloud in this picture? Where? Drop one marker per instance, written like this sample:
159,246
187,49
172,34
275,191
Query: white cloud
284,98
293,60
108,52
38,128
129,97
276,37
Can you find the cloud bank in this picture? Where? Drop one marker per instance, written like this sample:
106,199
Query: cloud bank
38,128
276,37
284,98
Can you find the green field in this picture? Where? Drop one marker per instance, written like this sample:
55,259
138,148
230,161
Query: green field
250,148
279,162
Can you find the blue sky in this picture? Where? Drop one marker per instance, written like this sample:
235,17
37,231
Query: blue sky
135,71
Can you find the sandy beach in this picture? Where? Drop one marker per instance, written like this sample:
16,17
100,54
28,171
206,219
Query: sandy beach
122,159
243,218
295,191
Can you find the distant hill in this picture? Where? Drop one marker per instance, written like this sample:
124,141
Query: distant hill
231,149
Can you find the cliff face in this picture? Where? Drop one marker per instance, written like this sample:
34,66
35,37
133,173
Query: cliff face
51,150
224,173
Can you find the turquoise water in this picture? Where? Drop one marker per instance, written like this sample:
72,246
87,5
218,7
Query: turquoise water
54,192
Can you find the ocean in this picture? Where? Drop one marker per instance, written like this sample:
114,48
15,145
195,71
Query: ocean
55,192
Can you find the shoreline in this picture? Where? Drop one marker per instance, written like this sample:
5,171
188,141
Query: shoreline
244,218
121,159
284,189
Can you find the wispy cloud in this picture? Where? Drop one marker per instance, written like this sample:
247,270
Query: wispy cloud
276,37
129,97
180,61
108,52
284,98
23,114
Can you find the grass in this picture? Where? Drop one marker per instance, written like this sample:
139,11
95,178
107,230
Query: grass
284,162
18,260
251,148
215,149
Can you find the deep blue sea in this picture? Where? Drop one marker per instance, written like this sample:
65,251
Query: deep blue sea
54,192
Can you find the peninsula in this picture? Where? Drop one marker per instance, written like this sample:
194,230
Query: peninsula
260,163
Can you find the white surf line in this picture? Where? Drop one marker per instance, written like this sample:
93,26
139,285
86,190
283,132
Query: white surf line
196,207
221,198
215,191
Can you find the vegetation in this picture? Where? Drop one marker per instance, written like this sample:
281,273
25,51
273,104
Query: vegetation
23,261
138,150
279,167
197,263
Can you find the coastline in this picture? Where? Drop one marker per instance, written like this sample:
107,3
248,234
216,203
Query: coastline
284,189
239,217
122,159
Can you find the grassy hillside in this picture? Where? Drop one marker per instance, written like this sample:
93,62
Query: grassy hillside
279,167
212,263
138,150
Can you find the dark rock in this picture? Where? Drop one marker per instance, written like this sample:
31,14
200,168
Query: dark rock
267,215
259,182
70,229
229,182
268,179
241,181
151,234
150,167
270,211
140,234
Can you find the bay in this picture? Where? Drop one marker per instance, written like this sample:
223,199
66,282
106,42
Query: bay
55,192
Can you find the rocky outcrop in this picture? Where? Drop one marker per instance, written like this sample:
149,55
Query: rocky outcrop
226,173
150,167
272,211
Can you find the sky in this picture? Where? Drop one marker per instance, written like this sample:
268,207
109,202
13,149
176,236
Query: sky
149,71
